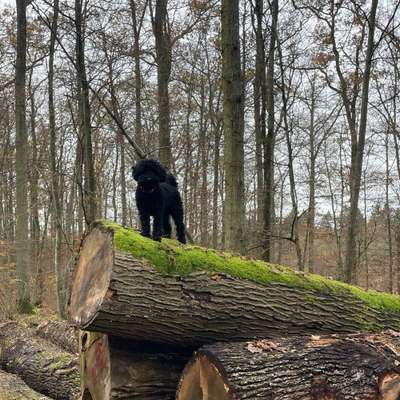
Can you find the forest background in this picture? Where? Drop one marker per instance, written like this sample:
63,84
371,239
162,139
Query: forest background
299,166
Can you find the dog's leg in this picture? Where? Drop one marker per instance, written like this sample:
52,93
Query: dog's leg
167,226
177,215
145,224
157,225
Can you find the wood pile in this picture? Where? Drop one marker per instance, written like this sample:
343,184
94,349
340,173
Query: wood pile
33,365
256,330
164,321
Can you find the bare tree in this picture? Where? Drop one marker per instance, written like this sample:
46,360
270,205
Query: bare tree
233,128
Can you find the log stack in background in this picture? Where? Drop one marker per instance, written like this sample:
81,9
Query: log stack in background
177,298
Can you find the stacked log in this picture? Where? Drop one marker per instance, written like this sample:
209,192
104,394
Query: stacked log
14,388
356,367
130,286
113,368
180,298
42,366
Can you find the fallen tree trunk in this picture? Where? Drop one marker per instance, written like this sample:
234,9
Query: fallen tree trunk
14,388
128,285
357,367
41,365
111,369
61,333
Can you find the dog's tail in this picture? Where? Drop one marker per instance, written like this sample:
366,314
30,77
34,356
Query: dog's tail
171,180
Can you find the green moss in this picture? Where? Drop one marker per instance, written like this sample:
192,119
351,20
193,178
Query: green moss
171,257
60,361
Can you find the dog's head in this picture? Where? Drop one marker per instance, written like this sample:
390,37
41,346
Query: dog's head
148,174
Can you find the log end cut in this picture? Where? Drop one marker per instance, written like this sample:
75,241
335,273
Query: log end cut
92,277
202,379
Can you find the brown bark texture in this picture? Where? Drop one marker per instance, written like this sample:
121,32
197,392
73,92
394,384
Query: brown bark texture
356,367
14,388
42,366
113,369
117,294
60,333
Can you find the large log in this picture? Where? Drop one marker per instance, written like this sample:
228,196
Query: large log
114,369
59,332
40,364
358,367
128,285
14,388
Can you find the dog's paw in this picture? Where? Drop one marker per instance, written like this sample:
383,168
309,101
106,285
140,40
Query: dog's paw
157,238
145,234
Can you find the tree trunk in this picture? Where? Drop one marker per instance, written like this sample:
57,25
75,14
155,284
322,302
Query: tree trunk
163,57
357,367
21,160
90,201
55,181
43,367
191,296
113,369
34,198
357,158
269,145
233,126
137,25
259,110
14,388
60,333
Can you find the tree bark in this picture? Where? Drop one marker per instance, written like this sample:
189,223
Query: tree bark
191,296
55,180
60,333
269,145
358,152
113,369
163,58
21,162
233,126
89,201
14,388
43,367
357,367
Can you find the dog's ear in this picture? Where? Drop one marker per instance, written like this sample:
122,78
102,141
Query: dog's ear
135,172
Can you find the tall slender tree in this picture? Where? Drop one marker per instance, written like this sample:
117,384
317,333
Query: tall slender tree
233,127
89,189
269,146
357,151
21,146
163,58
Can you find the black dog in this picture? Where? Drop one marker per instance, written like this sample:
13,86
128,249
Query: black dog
157,196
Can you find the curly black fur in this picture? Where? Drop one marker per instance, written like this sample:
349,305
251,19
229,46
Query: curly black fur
157,196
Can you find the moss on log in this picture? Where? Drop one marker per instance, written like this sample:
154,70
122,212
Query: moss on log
357,367
41,365
128,285
14,388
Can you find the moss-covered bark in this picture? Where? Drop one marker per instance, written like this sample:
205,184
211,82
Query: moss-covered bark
166,292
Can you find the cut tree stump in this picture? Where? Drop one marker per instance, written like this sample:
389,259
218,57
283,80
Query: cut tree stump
357,367
14,388
43,366
111,369
168,293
